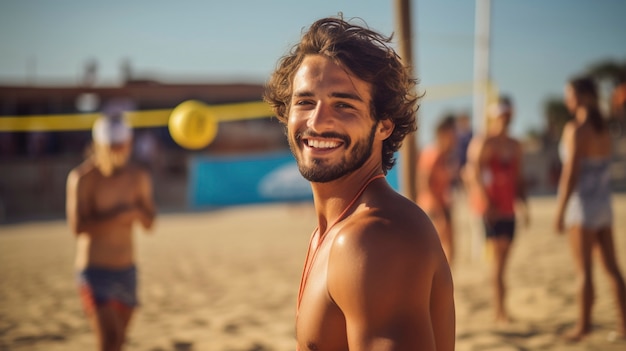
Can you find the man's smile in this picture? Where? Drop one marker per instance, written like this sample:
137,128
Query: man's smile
322,144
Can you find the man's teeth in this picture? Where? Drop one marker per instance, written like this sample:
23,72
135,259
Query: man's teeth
322,144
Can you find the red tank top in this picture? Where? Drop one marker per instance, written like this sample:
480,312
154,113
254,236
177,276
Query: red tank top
501,181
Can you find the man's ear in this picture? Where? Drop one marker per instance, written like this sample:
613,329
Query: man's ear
384,129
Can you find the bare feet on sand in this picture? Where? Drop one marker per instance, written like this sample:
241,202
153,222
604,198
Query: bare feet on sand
616,336
502,319
577,334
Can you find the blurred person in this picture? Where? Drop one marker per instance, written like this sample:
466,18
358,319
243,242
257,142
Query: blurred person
464,136
584,200
375,276
147,150
618,101
105,196
496,182
436,173
618,109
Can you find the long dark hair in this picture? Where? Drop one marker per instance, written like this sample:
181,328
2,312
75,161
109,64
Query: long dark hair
586,87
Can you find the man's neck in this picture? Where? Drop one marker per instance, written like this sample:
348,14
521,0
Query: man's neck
500,132
109,172
332,198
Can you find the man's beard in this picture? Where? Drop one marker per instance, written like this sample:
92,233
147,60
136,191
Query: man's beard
319,172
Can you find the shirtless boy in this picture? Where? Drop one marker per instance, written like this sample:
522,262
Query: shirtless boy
105,197
375,276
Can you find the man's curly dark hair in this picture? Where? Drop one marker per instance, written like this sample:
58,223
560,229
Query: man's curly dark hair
366,54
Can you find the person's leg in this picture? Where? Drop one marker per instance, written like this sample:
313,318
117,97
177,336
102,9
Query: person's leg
101,316
106,324
609,260
123,316
109,310
582,242
501,246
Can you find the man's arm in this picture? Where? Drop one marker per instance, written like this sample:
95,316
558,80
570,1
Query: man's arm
438,195
442,308
476,154
75,208
521,183
146,206
383,283
424,167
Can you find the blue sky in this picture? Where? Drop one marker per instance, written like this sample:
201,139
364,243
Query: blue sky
536,45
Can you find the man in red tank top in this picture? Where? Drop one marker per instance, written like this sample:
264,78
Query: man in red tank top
496,182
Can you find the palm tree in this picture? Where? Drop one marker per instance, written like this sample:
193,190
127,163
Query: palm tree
610,71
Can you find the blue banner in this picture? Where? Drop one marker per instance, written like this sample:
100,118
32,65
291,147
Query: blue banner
248,179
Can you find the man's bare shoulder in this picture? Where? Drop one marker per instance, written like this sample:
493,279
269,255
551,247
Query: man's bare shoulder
84,170
479,139
382,249
137,171
477,146
491,141
511,140
400,227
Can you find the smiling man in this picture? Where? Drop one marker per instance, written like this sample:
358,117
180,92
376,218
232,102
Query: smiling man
375,276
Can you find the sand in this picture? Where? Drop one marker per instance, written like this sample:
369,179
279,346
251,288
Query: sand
227,280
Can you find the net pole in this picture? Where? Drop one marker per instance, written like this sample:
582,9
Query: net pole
408,151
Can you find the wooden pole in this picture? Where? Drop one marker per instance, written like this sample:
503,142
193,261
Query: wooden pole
482,24
408,152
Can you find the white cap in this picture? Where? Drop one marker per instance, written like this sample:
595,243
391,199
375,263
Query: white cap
497,109
107,131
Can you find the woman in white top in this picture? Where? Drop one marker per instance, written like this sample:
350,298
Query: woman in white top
584,200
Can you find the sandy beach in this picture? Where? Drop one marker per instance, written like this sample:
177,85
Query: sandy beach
227,280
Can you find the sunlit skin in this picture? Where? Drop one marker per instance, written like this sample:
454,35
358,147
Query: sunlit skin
571,100
447,140
105,197
431,196
580,140
111,157
380,280
324,147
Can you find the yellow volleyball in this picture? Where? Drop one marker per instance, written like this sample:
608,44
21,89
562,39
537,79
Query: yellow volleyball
192,125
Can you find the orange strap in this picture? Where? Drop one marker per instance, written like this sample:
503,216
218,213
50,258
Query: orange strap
316,240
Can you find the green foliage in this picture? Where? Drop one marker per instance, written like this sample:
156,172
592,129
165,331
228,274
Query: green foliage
555,112
614,71
557,115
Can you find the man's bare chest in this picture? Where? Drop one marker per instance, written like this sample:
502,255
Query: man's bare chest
114,192
320,324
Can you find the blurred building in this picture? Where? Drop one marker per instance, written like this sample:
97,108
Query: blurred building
34,165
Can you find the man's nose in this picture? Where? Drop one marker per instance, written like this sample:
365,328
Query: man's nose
321,117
